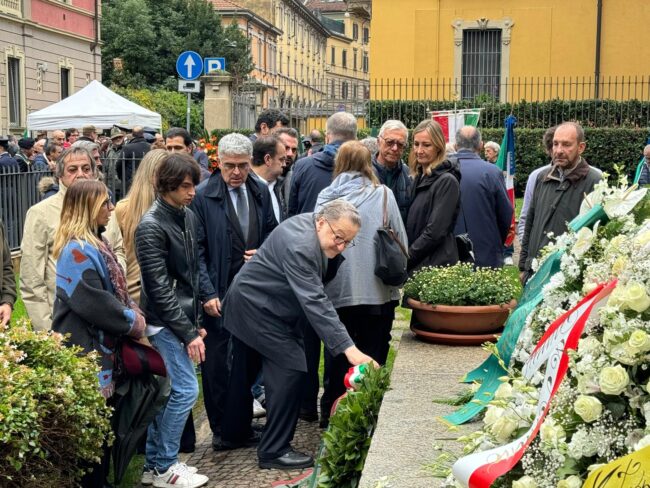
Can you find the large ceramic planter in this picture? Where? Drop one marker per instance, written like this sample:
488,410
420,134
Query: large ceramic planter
463,325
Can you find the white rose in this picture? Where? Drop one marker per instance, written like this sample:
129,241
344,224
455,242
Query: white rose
645,442
588,345
642,239
639,340
588,407
619,265
570,482
584,238
492,414
613,380
589,287
552,432
524,482
636,297
503,428
504,391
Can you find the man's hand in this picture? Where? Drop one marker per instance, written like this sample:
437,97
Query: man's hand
249,254
202,333
5,314
356,357
522,277
196,350
213,307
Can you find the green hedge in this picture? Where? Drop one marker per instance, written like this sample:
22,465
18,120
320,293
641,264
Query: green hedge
530,115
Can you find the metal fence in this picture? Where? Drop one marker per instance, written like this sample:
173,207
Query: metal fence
19,191
612,101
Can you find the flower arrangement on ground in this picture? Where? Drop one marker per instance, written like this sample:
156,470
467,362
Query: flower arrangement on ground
461,284
601,410
53,419
209,147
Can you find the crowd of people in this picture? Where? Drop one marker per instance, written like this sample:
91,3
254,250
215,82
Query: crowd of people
248,270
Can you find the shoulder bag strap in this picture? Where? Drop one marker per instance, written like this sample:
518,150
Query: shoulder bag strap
385,207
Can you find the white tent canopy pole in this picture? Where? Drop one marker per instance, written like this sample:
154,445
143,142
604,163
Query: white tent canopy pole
93,105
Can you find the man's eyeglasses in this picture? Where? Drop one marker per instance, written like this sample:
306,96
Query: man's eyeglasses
338,240
391,142
232,166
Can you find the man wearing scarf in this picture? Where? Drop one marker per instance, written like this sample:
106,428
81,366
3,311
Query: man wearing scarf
311,175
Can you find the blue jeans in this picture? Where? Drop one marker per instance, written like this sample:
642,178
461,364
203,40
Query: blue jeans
164,435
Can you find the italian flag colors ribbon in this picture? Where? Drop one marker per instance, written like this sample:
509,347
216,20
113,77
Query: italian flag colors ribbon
452,120
479,470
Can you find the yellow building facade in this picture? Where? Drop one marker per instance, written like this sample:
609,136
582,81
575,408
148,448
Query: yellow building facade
509,49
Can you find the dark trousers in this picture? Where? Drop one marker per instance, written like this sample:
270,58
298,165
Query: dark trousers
309,402
369,328
214,374
283,394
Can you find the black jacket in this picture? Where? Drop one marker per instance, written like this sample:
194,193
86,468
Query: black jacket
310,176
216,231
168,254
399,181
129,159
435,203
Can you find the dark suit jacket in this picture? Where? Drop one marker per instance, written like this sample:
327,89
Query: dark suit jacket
219,229
271,322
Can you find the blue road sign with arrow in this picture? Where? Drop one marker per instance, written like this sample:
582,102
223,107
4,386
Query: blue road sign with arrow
189,65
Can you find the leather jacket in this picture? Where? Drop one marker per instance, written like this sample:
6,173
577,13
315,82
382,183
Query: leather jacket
167,251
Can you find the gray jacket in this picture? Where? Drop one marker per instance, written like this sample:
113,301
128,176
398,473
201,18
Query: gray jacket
556,201
267,302
355,282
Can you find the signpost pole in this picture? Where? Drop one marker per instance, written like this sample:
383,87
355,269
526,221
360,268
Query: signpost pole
187,120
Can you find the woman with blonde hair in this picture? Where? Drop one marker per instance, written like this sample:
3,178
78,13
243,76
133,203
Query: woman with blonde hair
364,303
435,200
129,212
92,304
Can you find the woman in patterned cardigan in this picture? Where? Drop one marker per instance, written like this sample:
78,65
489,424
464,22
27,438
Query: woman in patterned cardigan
92,304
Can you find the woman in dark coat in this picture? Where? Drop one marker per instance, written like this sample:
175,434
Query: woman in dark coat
92,303
435,200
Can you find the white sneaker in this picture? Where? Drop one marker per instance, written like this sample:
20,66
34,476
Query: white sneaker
258,409
179,475
147,475
508,261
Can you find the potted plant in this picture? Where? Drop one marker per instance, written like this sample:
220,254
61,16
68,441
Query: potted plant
459,304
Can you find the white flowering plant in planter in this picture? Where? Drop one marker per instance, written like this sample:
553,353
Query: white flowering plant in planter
601,411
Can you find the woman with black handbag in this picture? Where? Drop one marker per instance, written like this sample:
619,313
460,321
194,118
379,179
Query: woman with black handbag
364,302
92,303
435,200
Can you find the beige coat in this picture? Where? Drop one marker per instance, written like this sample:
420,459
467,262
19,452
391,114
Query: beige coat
114,229
38,266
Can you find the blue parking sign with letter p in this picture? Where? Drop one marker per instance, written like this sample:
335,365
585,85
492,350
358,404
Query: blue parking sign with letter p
214,64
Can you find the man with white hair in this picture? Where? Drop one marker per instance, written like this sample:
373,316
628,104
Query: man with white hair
236,215
311,175
389,166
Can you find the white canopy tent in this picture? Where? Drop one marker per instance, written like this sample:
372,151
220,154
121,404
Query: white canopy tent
93,105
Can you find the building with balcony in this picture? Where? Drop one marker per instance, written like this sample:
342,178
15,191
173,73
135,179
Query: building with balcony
49,49
347,58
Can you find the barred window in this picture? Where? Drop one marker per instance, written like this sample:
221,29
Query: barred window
15,102
481,67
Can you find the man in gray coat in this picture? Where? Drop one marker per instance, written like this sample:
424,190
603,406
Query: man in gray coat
301,255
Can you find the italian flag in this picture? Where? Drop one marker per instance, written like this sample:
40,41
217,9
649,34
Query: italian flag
506,163
452,120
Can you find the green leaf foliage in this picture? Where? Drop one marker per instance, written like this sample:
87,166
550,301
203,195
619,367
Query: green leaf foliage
148,36
348,437
53,419
461,284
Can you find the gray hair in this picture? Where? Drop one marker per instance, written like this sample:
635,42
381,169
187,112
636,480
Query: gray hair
468,137
74,150
371,144
393,125
339,209
87,145
492,145
580,132
342,126
235,145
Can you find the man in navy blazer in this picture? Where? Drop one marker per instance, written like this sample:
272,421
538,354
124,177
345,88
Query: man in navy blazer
486,211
